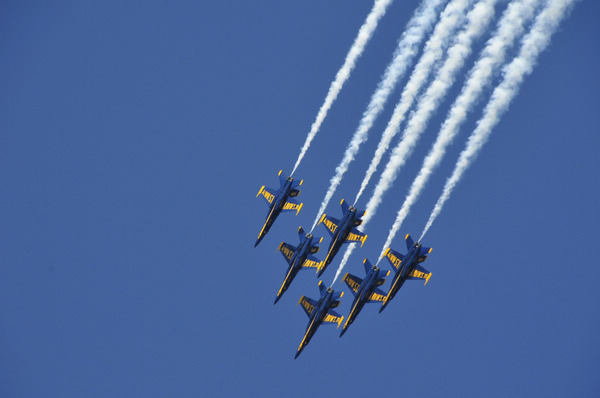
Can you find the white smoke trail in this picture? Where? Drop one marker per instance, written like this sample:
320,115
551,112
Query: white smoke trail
514,73
510,26
478,20
364,35
452,16
408,46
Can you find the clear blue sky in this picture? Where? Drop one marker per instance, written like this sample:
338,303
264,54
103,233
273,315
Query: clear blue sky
134,140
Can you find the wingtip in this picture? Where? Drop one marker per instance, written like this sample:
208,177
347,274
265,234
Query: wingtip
260,191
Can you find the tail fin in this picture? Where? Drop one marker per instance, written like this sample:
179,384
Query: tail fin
301,234
345,206
409,242
322,288
367,265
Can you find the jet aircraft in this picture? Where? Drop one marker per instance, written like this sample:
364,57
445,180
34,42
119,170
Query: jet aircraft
320,312
298,257
364,290
406,267
342,231
278,201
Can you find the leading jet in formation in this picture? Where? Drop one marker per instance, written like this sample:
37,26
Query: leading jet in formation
342,231
364,290
278,201
298,257
320,312
406,266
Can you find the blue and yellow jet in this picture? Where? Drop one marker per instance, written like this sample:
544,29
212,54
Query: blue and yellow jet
364,290
278,201
342,231
320,312
406,267
298,257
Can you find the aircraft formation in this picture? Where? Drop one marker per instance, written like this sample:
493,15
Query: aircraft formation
342,231
444,33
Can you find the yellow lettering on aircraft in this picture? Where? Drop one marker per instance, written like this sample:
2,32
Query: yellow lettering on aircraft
287,252
395,260
308,306
352,284
269,196
376,297
330,225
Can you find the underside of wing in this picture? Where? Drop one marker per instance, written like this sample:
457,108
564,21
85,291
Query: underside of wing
267,193
311,262
331,223
394,258
353,282
288,251
333,317
292,205
308,305
377,295
356,236
420,273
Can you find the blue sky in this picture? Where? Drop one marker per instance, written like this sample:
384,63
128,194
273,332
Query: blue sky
135,138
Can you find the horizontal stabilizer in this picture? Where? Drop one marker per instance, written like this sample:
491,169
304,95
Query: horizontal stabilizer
424,253
294,193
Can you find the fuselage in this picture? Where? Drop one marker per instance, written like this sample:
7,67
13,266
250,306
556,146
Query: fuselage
408,264
343,230
300,255
275,208
316,319
366,288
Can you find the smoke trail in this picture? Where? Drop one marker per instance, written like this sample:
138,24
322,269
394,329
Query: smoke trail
510,26
514,73
408,46
452,16
364,34
478,20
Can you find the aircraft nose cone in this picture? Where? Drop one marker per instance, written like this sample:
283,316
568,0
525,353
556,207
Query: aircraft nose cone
343,331
297,353
276,299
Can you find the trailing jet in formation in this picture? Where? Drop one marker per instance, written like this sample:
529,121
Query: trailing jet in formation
320,312
342,231
278,201
298,257
406,267
364,290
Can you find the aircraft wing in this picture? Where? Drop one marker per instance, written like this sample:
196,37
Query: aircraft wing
330,223
420,273
376,295
353,282
288,251
311,262
394,258
267,193
333,317
308,305
292,205
356,236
